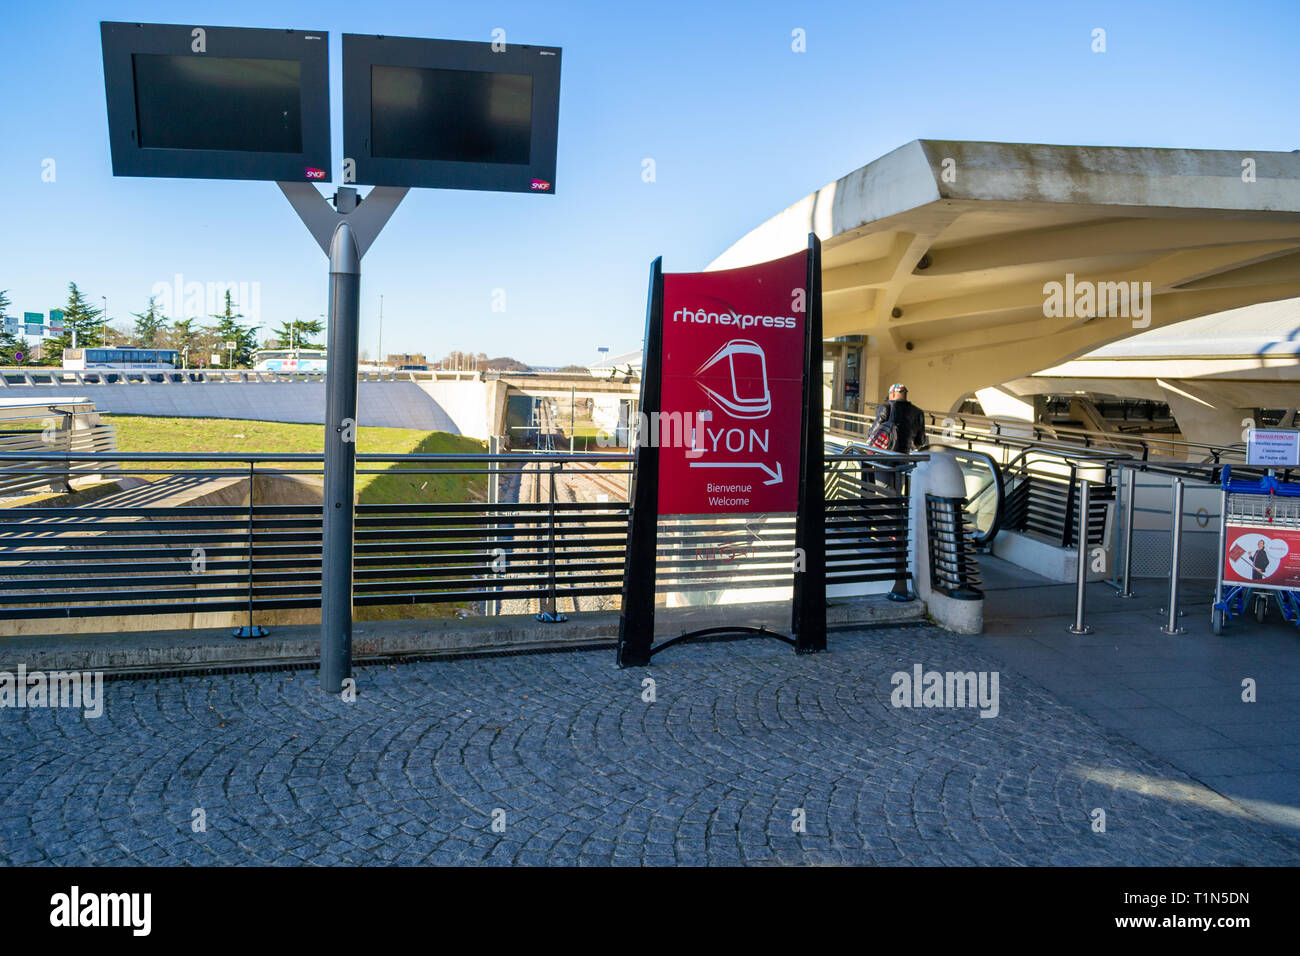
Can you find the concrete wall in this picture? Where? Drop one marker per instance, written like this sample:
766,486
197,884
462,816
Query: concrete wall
461,408
478,408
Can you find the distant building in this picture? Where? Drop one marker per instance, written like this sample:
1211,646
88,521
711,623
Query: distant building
406,358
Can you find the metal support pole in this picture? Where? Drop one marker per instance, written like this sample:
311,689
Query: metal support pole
344,233
573,414
494,499
1081,574
549,612
252,630
1176,553
340,461
1130,496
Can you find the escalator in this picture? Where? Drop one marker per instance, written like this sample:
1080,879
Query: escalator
986,494
983,477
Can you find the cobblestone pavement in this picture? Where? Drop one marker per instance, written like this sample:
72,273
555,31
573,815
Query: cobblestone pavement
741,735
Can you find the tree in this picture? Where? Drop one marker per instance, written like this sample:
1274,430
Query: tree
79,320
8,341
150,325
228,329
298,334
184,338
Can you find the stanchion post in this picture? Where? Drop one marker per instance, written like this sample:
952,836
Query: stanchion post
1081,574
1175,560
1130,495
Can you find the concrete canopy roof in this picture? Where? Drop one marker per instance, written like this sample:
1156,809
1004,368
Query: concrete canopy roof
940,251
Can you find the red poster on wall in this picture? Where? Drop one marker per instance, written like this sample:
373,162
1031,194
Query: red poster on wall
1262,557
733,360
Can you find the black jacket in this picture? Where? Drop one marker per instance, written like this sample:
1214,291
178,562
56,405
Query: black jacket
908,422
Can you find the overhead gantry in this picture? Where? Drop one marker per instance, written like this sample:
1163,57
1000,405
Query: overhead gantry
968,264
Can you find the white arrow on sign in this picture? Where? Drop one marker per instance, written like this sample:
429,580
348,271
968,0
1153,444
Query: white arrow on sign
776,478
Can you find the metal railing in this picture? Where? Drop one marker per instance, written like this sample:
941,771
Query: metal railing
956,425
31,429
1043,494
954,567
241,534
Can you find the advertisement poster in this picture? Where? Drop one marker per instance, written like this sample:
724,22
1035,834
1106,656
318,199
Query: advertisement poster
733,354
1262,557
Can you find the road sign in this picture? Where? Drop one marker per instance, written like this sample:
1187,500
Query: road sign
730,428
34,323
56,320
217,102
450,114
1273,447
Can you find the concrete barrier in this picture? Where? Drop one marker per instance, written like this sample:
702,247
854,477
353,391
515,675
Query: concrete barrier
183,648
941,476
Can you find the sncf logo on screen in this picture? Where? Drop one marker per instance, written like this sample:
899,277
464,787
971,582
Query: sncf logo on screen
314,173
541,185
703,317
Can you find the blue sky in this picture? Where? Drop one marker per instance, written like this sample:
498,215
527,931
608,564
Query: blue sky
738,125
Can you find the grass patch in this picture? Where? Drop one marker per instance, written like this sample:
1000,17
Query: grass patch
394,485
142,434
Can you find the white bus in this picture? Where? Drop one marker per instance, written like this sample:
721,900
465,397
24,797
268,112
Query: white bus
289,360
119,358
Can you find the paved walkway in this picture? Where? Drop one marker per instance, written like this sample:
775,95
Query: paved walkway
1179,696
741,736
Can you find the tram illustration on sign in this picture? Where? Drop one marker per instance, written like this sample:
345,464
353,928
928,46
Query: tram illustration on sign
738,404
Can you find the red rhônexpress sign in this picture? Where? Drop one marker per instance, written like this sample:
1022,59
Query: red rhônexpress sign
733,357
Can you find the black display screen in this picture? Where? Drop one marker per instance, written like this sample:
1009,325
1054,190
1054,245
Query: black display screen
465,116
213,102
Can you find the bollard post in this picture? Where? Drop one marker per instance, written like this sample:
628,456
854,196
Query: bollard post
1130,492
1176,553
1081,575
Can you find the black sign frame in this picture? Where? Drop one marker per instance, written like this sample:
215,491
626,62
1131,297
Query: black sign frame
121,41
542,63
636,620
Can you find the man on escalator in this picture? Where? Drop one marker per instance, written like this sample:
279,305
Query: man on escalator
899,425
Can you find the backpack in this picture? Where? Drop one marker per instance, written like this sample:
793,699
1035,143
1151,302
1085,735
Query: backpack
885,435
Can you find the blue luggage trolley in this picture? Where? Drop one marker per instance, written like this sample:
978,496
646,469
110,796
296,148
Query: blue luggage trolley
1259,550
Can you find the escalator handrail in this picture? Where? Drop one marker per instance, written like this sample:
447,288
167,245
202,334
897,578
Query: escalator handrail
983,539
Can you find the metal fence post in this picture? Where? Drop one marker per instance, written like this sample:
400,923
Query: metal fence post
1070,500
900,591
1081,574
1176,553
493,606
550,613
1130,496
252,630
